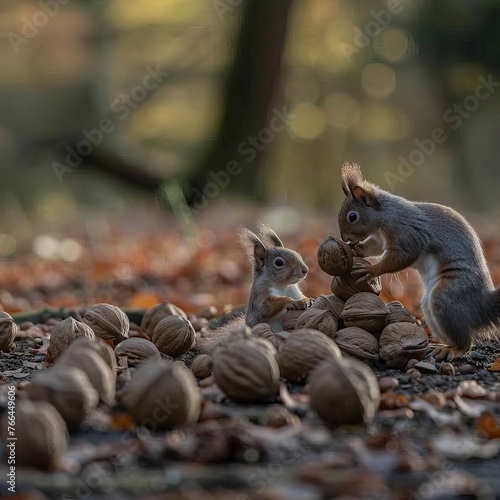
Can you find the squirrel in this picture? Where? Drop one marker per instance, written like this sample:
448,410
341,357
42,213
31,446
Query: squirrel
276,273
460,302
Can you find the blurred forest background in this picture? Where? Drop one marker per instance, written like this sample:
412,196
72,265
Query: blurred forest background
115,114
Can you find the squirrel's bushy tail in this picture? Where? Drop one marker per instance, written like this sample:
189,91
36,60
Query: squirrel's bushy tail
495,308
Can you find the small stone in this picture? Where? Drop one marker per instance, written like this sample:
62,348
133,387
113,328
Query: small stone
435,398
471,389
388,383
466,369
447,369
477,356
414,374
411,363
426,367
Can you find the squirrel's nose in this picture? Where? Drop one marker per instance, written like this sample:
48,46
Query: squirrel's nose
305,269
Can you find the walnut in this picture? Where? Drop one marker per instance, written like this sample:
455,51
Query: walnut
245,368
98,372
202,366
367,311
162,396
302,350
401,342
344,391
8,332
100,347
64,333
42,437
358,343
108,322
137,350
323,320
174,335
156,313
345,287
67,388
290,319
398,314
335,257
329,302
264,331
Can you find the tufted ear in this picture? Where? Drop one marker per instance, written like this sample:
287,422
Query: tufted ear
353,184
268,235
253,248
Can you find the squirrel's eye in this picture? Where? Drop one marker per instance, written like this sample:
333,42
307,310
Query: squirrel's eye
279,262
352,217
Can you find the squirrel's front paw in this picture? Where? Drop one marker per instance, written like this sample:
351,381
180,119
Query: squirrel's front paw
297,304
362,271
447,353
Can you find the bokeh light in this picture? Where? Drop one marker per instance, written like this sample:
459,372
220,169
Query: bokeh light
342,110
393,44
378,80
307,122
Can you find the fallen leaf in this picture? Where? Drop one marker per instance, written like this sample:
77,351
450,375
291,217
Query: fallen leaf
495,367
488,426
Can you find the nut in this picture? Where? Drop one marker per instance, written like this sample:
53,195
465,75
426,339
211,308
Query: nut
162,396
398,314
302,350
101,377
401,342
108,322
322,320
100,347
264,331
44,437
290,319
64,333
345,287
329,302
8,332
174,335
344,391
358,343
68,389
202,366
335,257
245,368
156,313
367,311
137,350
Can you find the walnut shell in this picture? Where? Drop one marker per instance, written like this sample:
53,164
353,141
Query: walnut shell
42,436
136,351
335,257
156,313
64,333
323,320
345,287
367,311
174,335
344,391
246,370
100,347
302,350
290,319
8,332
68,389
329,302
100,375
108,322
358,343
398,313
202,366
401,342
264,331
162,396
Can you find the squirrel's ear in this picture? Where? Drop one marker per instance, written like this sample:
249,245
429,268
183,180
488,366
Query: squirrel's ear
253,247
364,195
350,177
266,233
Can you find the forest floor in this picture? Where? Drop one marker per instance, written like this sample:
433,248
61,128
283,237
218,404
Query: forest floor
435,436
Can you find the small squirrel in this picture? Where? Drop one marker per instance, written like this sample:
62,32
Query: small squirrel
460,302
276,273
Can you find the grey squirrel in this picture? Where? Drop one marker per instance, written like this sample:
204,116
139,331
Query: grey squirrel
460,302
276,271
